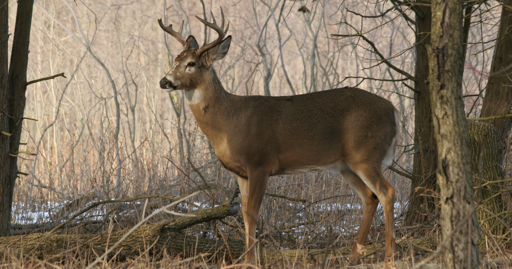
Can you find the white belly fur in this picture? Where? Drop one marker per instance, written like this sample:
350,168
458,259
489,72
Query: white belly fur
335,167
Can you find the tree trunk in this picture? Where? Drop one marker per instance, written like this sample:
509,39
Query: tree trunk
458,218
498,96
12,106
4,120
421,201
483,141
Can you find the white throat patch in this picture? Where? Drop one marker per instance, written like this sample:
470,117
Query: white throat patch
194,96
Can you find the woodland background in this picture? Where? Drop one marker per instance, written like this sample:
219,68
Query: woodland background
107,131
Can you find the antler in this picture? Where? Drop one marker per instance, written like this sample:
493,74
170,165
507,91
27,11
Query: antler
220,30
170,31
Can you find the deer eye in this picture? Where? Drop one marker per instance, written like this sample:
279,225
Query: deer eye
191,64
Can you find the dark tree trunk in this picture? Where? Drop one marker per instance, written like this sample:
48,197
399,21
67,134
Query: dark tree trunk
498,96
12,104
458,218
4,125
483,142
421,201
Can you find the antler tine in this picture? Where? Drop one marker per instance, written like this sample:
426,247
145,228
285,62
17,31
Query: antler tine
169,30
181,28
219,29
227,26
222,26
213,19
222,14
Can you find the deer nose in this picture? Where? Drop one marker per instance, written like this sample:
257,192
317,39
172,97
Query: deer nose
166,84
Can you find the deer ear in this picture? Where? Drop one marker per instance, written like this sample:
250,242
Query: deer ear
222,48
218,52
191,43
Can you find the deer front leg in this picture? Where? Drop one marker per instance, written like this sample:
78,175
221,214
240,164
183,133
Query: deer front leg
252,191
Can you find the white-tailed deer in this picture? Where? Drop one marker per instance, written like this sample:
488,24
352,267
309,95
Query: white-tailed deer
347,130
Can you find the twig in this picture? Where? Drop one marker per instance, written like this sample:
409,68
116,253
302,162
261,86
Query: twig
120,252
329,244
447,240
286,198
498,246
383,59
46,78
493,182
502,222
93,205
241,265
407,175
202,255
41,185
110,228
491,118
376,79
135,228
181,170
417,228
247,251
382,14
225,242
204,181
212,186
501,71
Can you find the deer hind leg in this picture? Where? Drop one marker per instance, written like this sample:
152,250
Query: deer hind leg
372,176
370,203
252,191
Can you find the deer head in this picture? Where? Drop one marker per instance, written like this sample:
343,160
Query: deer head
193,64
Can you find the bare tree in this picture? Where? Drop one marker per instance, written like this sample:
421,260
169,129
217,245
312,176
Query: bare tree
458,219
13,84
423,182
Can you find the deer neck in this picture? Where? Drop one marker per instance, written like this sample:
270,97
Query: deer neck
211,106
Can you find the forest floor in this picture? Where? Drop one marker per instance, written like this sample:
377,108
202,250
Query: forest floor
212,238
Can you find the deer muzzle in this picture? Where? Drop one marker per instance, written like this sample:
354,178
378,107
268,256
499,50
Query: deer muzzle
167,84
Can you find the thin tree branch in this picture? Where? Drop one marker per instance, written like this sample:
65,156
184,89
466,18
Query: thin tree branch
404,174
383,59
376,79
491,118
46,78
396,6
286,198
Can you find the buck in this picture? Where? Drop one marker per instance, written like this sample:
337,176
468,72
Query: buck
347,130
